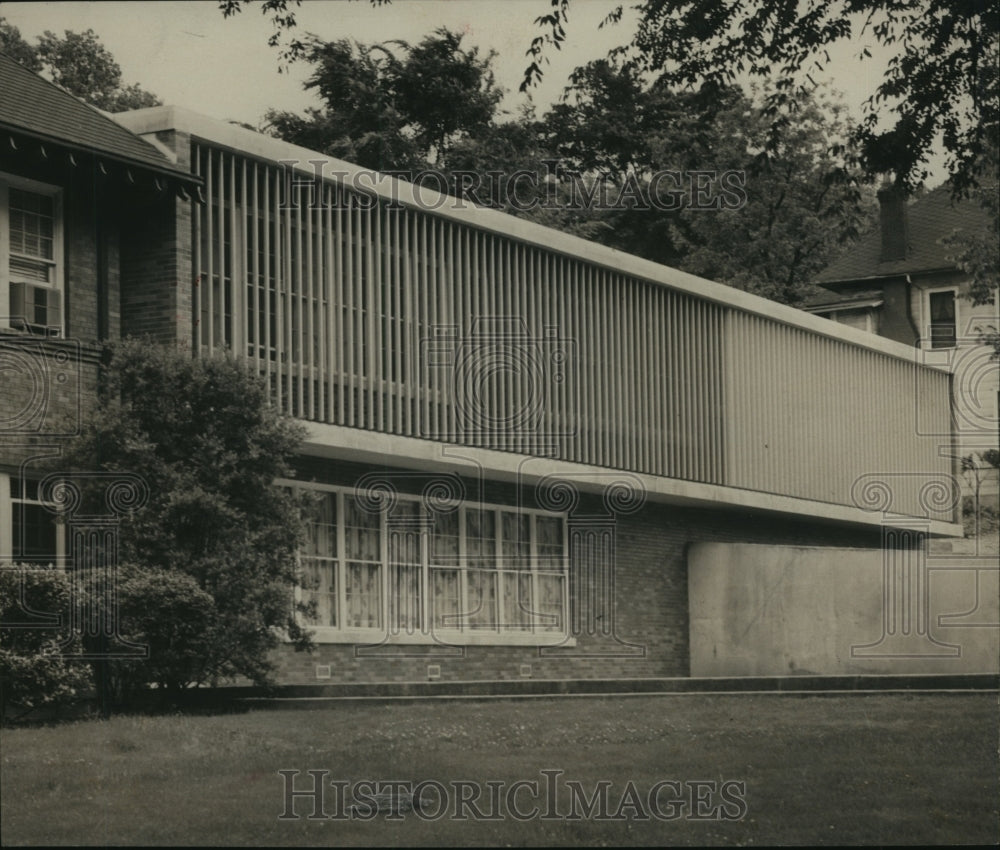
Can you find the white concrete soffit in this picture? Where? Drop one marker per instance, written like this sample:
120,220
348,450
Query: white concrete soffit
338,442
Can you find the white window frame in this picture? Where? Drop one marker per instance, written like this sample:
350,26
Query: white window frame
869,327
7,524
925,308
7,182
536,635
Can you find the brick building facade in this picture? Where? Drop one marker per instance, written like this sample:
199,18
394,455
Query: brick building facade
514,436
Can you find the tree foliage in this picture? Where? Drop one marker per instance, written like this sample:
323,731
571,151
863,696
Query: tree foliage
14,45
215,545
178,622
393,106
36,665
941,81
80,64
978,254
795,206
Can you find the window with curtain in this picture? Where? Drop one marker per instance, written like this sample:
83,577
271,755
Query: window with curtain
488,573
405,568
320,564
363,553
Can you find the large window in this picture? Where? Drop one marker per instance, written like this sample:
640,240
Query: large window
469,574
31,297
29,533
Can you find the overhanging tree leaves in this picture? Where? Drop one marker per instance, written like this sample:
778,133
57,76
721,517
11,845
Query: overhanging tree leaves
940,81
80,64
393,106
210,447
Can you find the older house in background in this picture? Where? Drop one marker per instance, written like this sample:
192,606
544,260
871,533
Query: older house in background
536,457
899,283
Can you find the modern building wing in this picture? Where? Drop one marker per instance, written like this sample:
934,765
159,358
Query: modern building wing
401,322
516,437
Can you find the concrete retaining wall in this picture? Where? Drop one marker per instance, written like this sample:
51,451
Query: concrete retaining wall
761,610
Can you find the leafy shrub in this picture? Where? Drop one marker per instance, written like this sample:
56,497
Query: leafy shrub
174,619
37,667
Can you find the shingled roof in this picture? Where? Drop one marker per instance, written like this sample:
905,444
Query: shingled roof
930,218
825,299
31,105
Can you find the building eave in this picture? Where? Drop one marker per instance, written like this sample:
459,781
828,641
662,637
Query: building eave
845,305
175,174
353,444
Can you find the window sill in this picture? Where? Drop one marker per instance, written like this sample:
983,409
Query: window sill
445,637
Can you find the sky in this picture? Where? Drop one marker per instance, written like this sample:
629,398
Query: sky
190,56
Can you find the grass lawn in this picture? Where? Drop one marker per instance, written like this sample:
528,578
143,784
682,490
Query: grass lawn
885,769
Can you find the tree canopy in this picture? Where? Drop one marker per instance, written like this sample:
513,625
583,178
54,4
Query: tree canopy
610,139
940,84
80,63
782,215
393,105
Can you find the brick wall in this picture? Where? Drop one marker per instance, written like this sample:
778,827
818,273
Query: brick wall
157,268
46,389
649,634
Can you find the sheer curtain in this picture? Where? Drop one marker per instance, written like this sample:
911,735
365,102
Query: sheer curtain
405,568
481,565
363,553
515,546
445,562
319,562
551,573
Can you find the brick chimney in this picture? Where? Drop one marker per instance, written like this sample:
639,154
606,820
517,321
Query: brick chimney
892,222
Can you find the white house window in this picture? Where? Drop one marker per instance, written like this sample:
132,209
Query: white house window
31,289
941,311
25,521
472,574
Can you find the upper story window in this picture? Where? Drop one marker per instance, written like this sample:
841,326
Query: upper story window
31,287
941,316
